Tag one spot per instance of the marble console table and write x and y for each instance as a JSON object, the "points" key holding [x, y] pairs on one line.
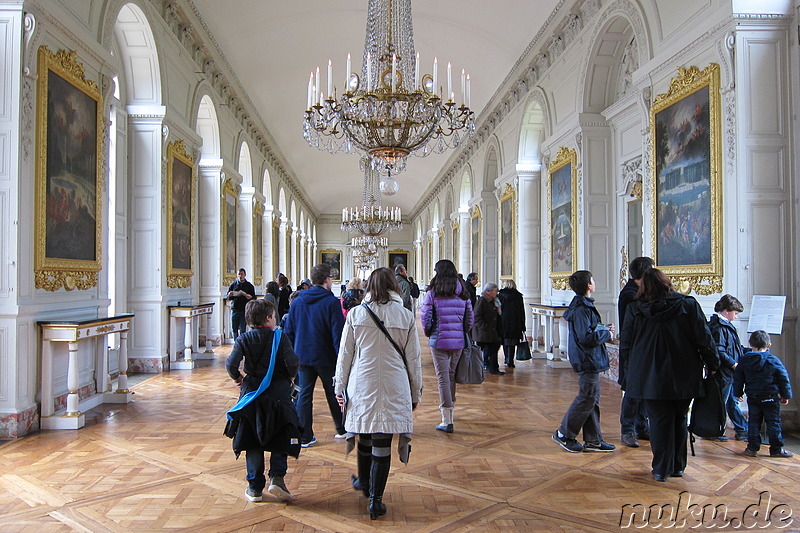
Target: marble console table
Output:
{"points": [[191, 315], [73, 333], [555, 334]]}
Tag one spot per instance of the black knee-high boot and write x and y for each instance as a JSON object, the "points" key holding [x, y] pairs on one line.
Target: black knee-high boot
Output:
{"points": [[364, 459], [377, 484]]}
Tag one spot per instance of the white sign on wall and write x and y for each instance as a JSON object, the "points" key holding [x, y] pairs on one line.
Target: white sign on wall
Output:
{"points": [[766, 313]]}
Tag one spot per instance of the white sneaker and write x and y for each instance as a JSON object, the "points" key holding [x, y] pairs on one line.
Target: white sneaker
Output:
{"points": [[312, 442], [340, 436]]}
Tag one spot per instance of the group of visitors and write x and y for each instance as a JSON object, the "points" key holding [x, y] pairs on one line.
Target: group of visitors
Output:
{"points": [[665, 346], [370, 366]]}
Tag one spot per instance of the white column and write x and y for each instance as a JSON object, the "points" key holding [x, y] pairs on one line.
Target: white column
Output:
{"points": [[304, 272], [529, 240], [122, 380], [464, 250], [245, 229], [435, 255], [294, 265], [210, 235], [146, 268]]}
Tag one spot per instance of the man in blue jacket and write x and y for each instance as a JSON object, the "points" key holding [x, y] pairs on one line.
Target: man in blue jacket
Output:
{"points": [[314, 325]]}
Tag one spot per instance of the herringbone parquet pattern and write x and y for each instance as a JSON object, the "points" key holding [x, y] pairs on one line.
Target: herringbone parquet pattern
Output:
{"points": [[161, 463]]}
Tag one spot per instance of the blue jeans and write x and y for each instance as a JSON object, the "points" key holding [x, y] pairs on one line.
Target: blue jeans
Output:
{"points": [[584, 413], [732, 407], [768, 411], [632, 418], [255, 468], [307, 377], [238, 323]]}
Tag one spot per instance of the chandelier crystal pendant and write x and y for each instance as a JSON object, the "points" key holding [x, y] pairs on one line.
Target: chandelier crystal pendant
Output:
{"points": [[371, 218], [388, 111]]}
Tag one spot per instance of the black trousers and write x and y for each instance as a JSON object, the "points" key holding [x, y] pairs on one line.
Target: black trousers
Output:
{"points": [[668, 434]]}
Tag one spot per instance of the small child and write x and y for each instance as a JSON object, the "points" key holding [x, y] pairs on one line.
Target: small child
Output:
{"points": [[764, 378]]}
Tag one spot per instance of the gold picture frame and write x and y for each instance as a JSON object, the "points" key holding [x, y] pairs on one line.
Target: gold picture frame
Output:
{"points": [[69, 174], [686, 178], [562, 204], [230, 202], [397, 257], [180, 215], [476, 242], [332, 258], [258, 244], [455, 242], [508, 233]]}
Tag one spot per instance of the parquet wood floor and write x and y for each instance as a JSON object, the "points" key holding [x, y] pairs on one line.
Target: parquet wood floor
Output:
{"points": [[162, 463]]}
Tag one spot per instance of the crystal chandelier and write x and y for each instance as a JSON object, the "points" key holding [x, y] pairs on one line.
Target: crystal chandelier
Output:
{"points": [[389, 111], [369, 242], [371, 218]]}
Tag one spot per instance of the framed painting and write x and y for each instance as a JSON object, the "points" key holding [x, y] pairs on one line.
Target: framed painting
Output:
{"points": [[397, 257], [229, 251], [455, 242], [69, 155], [685, 156], [180, 209], [276, 255], [258, 244], [332, 258], [562, 201], [476, 244], [507, 233]]}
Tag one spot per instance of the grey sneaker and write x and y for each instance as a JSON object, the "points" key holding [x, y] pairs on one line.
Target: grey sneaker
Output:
{"points": [[252, 495], [312, 442], [629, 440], [278, 489], [570, 445]]}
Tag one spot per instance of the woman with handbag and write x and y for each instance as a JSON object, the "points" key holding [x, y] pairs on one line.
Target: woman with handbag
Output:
{"points": [[378, 381], [664, 344], [512, 321], [486, 330], [446, 318]]}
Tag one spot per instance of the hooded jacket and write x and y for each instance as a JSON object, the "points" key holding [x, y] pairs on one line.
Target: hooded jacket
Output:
{"points": [[314, 324], [587, 348], [512, 321], [762, 376], [453, 319], [663, 347], [380, 387], [729, 348]]}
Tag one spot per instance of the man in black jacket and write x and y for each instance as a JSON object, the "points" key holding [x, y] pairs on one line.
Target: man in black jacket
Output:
{"points": [[472, 282], [240, 292], [632, 418]]}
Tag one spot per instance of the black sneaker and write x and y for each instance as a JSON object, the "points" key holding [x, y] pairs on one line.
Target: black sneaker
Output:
{"points": [[570, 445], [741, 436], [750, 453], [629, 440], [252, 495], [780, 453], [601, 446]]}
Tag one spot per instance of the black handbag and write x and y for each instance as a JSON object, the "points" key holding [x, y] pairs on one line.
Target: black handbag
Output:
{"points": [[708, 414], [429, 327], [523, 351]]}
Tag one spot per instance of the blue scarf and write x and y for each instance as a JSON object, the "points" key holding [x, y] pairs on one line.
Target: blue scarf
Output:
{"points": [[250, 396]]}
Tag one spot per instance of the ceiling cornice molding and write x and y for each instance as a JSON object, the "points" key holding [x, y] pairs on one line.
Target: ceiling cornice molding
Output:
{"points": [[549, 43], [214, 67]]}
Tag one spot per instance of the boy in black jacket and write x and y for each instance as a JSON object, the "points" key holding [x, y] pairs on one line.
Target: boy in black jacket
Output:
{"points": [[587, 353], [764, 378]]}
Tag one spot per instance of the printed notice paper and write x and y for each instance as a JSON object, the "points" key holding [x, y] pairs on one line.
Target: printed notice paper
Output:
{"points": [[767, 313]]}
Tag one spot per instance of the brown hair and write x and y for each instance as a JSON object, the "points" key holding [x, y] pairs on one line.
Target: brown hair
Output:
{"points": [[320, 273], [257, 311], [655, 286], [728, 303], [380, 284]]}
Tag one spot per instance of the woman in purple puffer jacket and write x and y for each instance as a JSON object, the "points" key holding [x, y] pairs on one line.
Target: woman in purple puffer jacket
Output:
{"points": [[446, 317]]}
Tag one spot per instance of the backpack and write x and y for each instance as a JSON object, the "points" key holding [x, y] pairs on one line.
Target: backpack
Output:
{"points": [[708, 412], [414, 289]]}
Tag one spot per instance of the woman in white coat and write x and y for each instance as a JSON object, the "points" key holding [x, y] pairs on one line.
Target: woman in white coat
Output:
{"points": [[381, 386]]}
